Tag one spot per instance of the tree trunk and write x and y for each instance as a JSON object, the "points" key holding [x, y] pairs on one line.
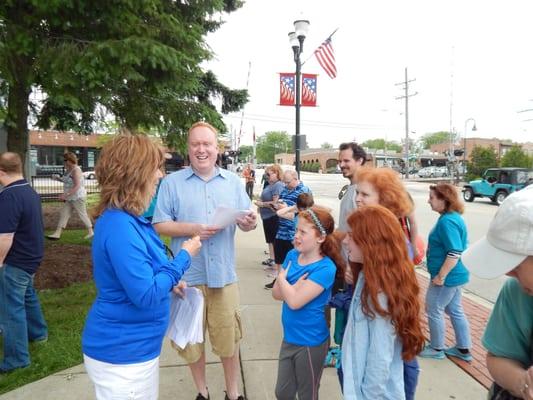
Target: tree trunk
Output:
{"points": [[17, 119]]}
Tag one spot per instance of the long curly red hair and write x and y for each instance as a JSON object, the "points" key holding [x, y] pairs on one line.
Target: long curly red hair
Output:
{"points": [[389, 270], [392, 193]]}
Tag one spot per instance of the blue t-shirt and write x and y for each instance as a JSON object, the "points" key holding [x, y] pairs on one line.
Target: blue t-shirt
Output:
{"points": [[448, 234], [133, 278], [307, 326], [21, 214], [286, 227]]}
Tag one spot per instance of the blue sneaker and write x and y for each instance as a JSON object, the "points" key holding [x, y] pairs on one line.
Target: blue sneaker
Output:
{"points": [[454, 352], [430, 352]]}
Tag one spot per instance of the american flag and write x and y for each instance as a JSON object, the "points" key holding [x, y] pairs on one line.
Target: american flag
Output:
{"points": [[286, 89], [309, 90], [326, 58]]}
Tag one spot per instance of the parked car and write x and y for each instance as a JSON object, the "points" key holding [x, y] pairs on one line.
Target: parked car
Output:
{"points": [[441, 172], [89, 174], [497, 184], [48, 170], [433, 172]]}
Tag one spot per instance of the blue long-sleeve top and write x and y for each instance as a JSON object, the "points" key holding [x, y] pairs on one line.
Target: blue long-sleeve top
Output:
{"points": [[133, 278]]}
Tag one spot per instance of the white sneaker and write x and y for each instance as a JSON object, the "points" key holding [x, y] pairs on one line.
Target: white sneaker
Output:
{"points": [[89, 235], [54, 236]]}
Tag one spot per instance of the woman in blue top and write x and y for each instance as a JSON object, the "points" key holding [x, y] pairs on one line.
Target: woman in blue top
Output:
{"points": [[123, 333], [447, 240], [304, 285]]}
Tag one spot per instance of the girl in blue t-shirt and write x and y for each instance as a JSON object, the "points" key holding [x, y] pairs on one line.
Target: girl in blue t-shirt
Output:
{"points": [[304, 285]]}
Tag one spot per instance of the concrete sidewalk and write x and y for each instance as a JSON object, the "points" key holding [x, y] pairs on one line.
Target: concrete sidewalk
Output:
{"points": [[259, 354]]}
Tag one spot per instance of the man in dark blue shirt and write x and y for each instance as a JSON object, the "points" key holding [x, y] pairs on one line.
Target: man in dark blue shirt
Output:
{"points": [[21, 252]]}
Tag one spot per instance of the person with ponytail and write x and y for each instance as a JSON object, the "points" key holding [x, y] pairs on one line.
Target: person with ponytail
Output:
{"points": [[383, 328], [304, 285]]}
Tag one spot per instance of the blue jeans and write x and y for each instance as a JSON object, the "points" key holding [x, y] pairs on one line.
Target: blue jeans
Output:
{"points": [[21, 318], [411, 371], [441, 299]]}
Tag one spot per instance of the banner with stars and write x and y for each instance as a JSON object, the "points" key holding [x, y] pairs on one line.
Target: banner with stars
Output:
{"points": [[309, 90], [286, 89]]}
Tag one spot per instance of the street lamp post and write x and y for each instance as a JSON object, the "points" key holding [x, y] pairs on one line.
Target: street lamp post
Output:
{"points": [[296, 39], [464, 141]]}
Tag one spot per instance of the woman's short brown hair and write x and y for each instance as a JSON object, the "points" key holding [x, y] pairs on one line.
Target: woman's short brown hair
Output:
{"points": [[450, 195], [275, 168], [125, 172], [69, 156]]}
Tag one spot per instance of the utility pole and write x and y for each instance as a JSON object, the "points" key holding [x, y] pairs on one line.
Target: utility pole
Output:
{"points": [[238, 144], [254, 160], [406, 97]]}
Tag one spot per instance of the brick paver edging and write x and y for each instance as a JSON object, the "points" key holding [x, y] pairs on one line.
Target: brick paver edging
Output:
{"points": [[477, 315]]}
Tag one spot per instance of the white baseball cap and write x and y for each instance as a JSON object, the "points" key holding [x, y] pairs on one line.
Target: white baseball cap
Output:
{"points": [[509, 240]]}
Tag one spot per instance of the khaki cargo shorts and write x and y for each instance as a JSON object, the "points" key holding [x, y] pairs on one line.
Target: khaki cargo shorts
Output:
{"points": [[222, 320]]}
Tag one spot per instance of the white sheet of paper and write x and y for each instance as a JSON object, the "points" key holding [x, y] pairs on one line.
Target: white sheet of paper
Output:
{"points": [[225, 216], [186, 318]]}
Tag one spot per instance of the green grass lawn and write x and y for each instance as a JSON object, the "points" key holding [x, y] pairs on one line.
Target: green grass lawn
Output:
{"points": [[72, 236], [64, 311]]}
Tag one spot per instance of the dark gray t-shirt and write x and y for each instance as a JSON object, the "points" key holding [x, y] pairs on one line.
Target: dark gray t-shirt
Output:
{"points": [[268, 194]]}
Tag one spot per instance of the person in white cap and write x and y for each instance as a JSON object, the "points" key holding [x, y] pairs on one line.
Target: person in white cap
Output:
{"points": [[508, 249]]}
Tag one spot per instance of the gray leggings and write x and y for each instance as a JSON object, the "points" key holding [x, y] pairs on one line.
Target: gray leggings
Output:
{"points": [[299, 371]]}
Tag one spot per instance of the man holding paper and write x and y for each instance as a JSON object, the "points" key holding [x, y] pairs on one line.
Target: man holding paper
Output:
{"points": [[187, 204]]}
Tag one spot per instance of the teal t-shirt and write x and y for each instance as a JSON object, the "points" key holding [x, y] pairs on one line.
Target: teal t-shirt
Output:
{"points": [[448, 234], [149, 213], [509, 332], [307, 326]]}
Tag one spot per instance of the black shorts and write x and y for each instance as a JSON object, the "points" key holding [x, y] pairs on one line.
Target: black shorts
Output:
{"points": [[270, 227], [281, 248]]}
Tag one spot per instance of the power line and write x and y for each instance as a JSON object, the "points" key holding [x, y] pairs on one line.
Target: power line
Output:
{"points": [[274, 119]]}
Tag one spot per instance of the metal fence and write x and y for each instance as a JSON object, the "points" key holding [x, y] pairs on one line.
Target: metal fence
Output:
{"points": [[50, 189]]}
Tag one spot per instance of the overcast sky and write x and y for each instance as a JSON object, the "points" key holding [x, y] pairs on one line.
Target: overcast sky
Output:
{"points": [[469, 59]]}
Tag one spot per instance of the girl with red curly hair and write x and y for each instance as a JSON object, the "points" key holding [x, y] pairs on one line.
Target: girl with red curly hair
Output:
{"points": [[383, 186], [383, 326]]}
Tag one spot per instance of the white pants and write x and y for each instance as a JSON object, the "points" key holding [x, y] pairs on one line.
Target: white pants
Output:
{"points": [[80, 207], [124, 381]]}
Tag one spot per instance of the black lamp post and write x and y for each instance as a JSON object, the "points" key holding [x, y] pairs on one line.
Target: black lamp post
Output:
{"points": [[296, 39]]}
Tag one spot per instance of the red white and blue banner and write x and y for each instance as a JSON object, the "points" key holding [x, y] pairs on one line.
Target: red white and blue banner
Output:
{"points": [[309, 90], [287, 83]]}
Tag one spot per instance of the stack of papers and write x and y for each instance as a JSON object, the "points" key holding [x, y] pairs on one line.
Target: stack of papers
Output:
{"points": [[225, 216], [186, 318]]}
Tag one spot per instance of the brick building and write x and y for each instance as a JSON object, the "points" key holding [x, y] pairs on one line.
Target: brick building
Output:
{"points": [[47, 148], [500, 146]]}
